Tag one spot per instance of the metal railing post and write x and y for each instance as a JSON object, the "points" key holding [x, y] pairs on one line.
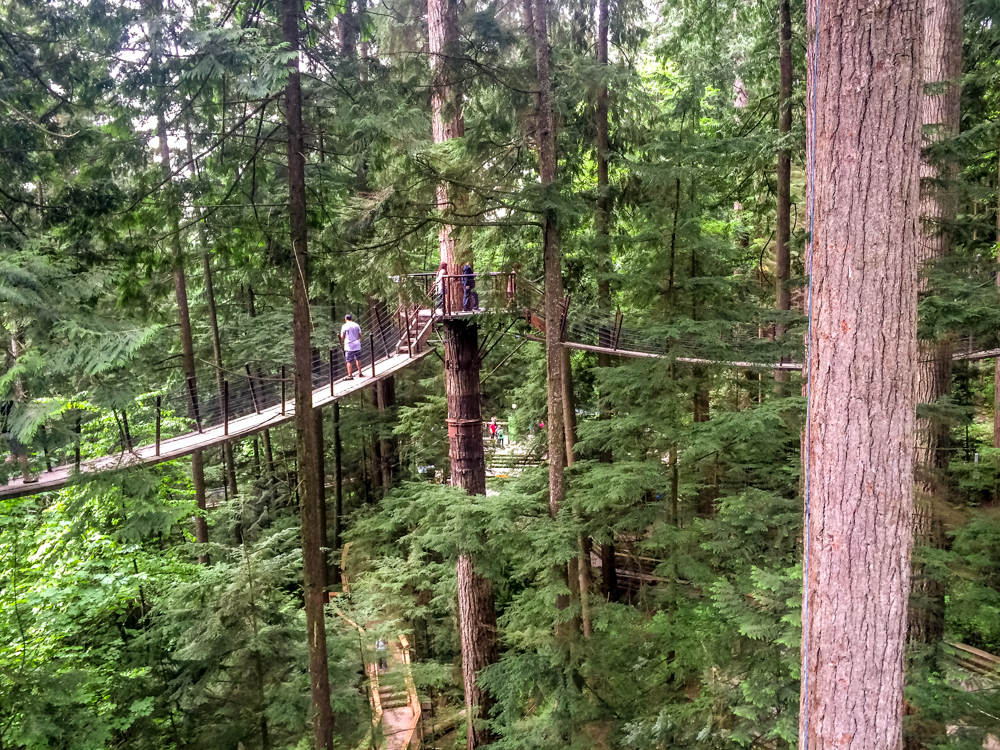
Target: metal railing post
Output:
{"points": [[282, 390], [253, 395], [409, 343], [225, 407], [128, 432], [371, 350], [158, 403], [331, 372], [76, 451]]}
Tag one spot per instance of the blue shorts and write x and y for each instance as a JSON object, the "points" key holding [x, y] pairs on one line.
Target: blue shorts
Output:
{"points": [[353, 356]]}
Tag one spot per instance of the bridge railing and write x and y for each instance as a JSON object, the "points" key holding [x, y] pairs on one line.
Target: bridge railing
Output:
{"points": [[495, 291], [204, 402]]}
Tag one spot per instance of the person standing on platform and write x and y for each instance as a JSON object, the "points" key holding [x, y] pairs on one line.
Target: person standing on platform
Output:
{"points": [[350, 339], [493, 428], [439, 284], [499, 437], [470, 297]]}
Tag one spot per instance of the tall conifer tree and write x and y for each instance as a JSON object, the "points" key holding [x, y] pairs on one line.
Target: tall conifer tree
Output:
{"points": [[476, 610], [864, 114]]}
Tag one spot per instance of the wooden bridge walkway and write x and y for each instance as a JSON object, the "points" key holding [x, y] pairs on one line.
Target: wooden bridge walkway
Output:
{"points": [[185, 444], [401, 335]]}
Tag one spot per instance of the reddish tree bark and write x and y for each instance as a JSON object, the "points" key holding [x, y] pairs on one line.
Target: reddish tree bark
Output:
{"points": [[213, 320], [477, 613], [447, 121], [996, 364], [309, 481], [183, 316], [546, 137], [783, 231], [603, 260], [942, 72], [385, 398], [866, 129]]}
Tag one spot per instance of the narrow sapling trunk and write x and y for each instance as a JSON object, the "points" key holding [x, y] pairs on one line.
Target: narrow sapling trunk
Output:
{"points": [[314, 566], [338, 492], [864, 114]]}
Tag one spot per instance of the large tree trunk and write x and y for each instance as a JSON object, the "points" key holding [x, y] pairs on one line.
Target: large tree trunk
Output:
{"points": [[546, 136], [942, 71], [602, 224], [338, 490], [569, 407], [447, 121], [314, 566], [477, 613], [385, 397], [996, 362], [865, 169], [213, 319], [184, 319], [338, 464], [783, 259], [321, 471]]}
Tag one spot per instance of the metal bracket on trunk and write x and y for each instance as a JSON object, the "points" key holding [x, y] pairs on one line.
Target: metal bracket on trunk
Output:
{"points": [[455, 426]]}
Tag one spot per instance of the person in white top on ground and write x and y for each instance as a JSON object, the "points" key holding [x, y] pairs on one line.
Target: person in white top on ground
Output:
{"points": [[350, 339]]}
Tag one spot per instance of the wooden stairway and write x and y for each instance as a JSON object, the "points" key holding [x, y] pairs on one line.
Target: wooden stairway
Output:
{"points": [[415, 331]]}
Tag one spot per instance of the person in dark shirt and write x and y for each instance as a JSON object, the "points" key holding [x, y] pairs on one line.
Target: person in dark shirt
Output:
{"points": [[17, 450], [470, 297]]}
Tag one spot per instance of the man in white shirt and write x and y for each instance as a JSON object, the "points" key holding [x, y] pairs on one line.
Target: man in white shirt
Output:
{"points": [[350, 339]]}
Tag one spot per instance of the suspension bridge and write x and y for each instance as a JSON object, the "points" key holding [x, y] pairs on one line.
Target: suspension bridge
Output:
{"points": [[237, 404]]}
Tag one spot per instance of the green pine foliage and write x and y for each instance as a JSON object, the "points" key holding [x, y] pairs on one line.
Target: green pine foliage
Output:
{"points": [[111, 634]]}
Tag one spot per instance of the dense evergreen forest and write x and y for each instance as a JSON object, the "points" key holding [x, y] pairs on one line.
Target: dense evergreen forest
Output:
{"points": [[712, 461]]}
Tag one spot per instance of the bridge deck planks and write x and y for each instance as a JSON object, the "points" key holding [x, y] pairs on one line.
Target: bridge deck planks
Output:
{"points": [[183, 445]]}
